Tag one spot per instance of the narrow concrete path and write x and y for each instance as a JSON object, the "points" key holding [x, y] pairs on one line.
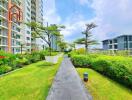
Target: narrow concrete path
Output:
{"points": [[67, 84]]}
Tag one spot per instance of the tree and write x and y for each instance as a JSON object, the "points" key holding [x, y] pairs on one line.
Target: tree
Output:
{"points": [[87, 39], [72, 46], [62, 45], [45, 32]]}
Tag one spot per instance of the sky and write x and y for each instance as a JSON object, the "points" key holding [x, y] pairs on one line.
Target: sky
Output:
{"points": [[113, 17]]}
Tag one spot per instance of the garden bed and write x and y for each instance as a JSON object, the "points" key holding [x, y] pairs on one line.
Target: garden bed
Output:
{"points": [[117, 68], [10, 62]]}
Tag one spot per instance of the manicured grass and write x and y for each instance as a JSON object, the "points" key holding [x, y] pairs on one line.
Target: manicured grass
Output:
{"points": [[103, 88], [29, 83]]}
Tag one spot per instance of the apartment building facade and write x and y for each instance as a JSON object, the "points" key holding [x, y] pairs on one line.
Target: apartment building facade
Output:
{"points": [[37, 16], [9, 42], [123, 42], [20, 34], [26, 30]]}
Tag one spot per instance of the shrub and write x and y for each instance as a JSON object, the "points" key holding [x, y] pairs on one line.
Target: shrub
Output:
{"points": [[21, 62], [81, 61], [5, 68], [117, 67], [81, 51]]}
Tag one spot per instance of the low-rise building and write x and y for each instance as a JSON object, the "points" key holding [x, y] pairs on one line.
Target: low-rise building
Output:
{"points": [[122, 42]]}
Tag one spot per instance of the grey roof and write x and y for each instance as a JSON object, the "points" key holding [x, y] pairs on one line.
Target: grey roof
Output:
{"points": [[118, 37]]}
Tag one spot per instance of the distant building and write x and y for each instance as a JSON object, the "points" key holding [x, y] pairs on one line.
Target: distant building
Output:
{"points": [[54, 44], [123, 42]]}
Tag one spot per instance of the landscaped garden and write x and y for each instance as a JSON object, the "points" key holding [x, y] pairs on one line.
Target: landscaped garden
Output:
{"points": [[117, 68], [9, 62], [103, 88], [32, 82]]}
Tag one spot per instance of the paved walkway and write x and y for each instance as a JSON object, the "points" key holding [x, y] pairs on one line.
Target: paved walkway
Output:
{"points": [[67, 84]]}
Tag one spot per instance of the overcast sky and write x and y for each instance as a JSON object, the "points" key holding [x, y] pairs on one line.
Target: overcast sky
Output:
{"points": [[113, 17]]}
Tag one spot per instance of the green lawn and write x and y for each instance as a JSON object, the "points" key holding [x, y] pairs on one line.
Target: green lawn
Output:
{"points": [[29, 83], [103, 88]]}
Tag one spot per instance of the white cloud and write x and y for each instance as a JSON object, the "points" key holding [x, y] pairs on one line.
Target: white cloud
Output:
{"points": [[75, 24], [112, 16], [50, 13], [84, 2]]}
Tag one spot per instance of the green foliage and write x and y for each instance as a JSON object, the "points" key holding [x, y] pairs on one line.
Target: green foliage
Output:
{"points": [[45, 32], [47, 64], [103, 88], [116, 67], [5, 68], [32, 82], [81, 60], [19, 60]]}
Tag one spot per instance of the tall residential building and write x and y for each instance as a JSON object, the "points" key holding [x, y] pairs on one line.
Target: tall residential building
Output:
{"points": [[9, 42], [20, 34], [37, 16], [123, 42], [26, 30]]}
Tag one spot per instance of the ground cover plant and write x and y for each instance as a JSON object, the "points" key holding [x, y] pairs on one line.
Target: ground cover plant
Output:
{"points": [[32, 82], [103, 88]]}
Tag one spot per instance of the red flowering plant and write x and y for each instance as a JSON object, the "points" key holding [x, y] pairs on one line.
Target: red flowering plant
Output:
{"points": [[2, 57]]}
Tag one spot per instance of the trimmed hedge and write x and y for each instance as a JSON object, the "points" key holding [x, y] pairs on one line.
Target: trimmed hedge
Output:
{"points": [[117, 68]]}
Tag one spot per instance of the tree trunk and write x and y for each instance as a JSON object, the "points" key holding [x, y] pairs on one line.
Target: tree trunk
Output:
{"points": [[49, 48], [86, 43], [21, 49]]}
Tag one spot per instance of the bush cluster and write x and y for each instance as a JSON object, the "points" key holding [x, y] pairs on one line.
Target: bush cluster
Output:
{"points": [[116, 67], [9, 62]]}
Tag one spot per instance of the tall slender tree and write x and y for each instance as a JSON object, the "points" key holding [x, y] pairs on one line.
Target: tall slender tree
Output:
{"points": [[87, 39]]}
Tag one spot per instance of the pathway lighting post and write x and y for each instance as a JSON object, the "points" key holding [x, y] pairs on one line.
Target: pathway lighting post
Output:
{"points": [[85, 77]]}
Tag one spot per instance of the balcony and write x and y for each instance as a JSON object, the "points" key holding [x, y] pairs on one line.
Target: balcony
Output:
{"points": [[3, 42], [3, 24], [3, 5], [3, 33], [3, 14]]}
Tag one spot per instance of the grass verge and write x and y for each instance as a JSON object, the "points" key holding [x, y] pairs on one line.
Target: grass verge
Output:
{"points": [[103, 88], [29, 83]]}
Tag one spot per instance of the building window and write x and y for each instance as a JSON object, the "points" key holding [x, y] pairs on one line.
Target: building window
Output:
{"points": [[28, 38], [115, 40], [110, 46], [28, 32], [130, 45], [125, 38], [125, 45], [115, 46], [130, 38], [110, 41]]}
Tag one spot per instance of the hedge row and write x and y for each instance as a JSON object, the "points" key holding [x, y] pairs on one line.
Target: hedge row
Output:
{"points": [[117, 68], [9, 62]]}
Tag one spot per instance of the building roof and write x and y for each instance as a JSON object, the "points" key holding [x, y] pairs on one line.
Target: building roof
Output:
{"points": [[118, 37]]}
